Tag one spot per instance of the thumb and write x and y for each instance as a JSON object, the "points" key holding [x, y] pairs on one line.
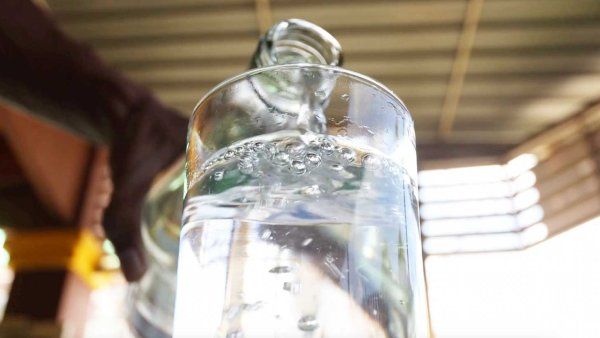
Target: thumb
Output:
{"points": [[122, 229]]}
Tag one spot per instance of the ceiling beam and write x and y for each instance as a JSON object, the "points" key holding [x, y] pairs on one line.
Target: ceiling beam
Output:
{"points": [[459, 67], [435, 154], [264, 15]]}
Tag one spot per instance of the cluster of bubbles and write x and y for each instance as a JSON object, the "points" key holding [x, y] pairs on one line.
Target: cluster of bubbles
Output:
{"points": [[307, 322], [292, 155]]}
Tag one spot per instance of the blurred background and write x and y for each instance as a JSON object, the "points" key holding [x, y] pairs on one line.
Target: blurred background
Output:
{"points": [[505, 95]]}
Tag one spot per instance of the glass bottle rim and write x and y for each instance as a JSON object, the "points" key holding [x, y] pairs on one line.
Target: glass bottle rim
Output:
{"points": [[338, 70], [311, 38]]}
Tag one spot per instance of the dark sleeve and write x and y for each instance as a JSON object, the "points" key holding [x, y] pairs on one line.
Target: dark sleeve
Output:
{"points": [[65, 82]]}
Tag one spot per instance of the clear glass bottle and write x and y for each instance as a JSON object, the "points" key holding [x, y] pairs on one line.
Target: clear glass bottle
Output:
{"points": [[152, 299], [300, 214]]}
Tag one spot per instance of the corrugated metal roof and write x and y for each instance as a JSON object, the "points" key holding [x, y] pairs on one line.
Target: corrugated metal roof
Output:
{"points": [[532, 63]]}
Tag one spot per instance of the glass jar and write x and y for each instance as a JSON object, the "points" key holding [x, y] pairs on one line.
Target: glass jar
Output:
{"points": [[300, 215]]}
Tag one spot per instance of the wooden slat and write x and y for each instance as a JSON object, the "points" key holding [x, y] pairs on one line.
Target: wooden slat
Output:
{"points": [[79, 7], [355, 12], [581, 86], [186, 49], [566, 178], [576, 59], [545, 143], [486, 67], [401, 67], [520, 10], [576, 214], [174, 88], [568, 196], [528, 110], [360, 43], [561, 159], [330, 14], [536, 36], [183, 73], [176, 51], [500, 124], [366, 14], [437, 155], [487, 64], [181, 24], [510, 137]]}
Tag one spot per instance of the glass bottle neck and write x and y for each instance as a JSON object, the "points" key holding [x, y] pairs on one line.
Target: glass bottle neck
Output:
{"points": [[297, 41]]}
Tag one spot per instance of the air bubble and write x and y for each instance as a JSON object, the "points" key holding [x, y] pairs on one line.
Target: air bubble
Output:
{"points": [[249, 158], [314, 144], [269, 150], [258, 146], [314, 160], [292, 287], [336, 167], [371, 162], [298, 167], [308, 323], [246, 167], [239, 150], [295, 149], [348, 155], [345, 97], [228, 154], [342, 132], [281, 269], [218, 175], [312, 190], [281, 158], [327, 147], [266, 234]]}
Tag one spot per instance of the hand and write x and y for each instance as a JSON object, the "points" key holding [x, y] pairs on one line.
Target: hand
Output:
{"points": [[150, 140]]}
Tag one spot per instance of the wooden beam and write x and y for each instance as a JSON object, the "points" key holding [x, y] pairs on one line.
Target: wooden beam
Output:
{"points": [[264, 15], [431, 153], [539, 144], [460, 66]]}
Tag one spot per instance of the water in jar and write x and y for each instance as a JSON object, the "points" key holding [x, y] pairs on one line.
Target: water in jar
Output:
{"points": [[298, 234]]}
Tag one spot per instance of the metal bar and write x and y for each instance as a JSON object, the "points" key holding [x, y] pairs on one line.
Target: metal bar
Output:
{"points": [[459, 68]]}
